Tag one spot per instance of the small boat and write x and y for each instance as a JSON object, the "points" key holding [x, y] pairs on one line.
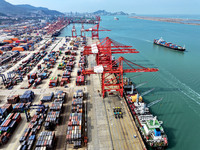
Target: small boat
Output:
{"points": [[115, 18], [161, 42]]}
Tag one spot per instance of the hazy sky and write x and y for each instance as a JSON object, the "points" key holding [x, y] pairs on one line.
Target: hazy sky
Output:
{"points": [[135, 6]]}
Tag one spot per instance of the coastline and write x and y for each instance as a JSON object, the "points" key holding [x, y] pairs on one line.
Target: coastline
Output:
{"points": [[171, 20]]}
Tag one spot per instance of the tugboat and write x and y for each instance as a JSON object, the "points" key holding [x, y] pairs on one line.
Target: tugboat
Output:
{"points": [[161, 42]]}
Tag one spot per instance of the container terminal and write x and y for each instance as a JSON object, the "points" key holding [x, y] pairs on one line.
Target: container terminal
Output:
{"points": [[68, 92]]}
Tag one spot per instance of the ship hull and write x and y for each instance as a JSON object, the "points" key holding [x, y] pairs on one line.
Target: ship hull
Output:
{"points": [[174, 48], [139, 126], [57, 33], [144, 138], [170, 47]]}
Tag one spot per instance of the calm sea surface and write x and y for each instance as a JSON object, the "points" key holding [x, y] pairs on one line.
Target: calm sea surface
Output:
{"points": [[178, 79]]}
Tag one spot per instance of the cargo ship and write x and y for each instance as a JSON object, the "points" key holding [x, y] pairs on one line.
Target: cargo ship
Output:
{"points": [[115, 18], [161, 42], [148, 125], [57, 33]]}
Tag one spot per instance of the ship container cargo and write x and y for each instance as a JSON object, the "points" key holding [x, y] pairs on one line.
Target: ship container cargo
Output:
{"points": [[24, 46], [34, 126], [28, 64], [6, 48], [77, 144], [80, 80], [43, 75], [61, 48], [60, 95], [2, 43], [5, 110], [28, 96], [77, 108], [72, 58], [53, 81], [46, 59], [56, 106], [48, 98], [19, 107], [39, 66], [74, 130], [75, 119], [69, 68], [52, 119], [64, 81], [46, 139], [8, 126], [50, 125], [73, 53], [79, 72], [161, 42], [8, 41], [18, 48], [67, 74], [68, 52], [30, 142], [38, 81], [4, 137], [71, 64], [61, 66], [30, 82], [32, 76], [53, 116], [78, 94], [9, 56], [73, 135], [77, 101]]}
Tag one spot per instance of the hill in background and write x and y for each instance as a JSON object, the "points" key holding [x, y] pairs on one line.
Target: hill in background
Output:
{"points": [[103, 12], [25, 10]]}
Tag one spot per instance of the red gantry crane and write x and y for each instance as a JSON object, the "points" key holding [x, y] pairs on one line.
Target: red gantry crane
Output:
{"points": [[112, 70], [105, 49], [95, 29], [74, 35], [82, 31]]}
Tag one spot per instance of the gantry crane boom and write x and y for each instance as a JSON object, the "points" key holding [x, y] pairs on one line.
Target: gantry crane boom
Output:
{"points": [[95, 29], [116, 81], [112, 70]]}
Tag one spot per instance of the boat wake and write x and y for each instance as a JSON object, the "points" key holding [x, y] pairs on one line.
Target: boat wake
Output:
{"points": [[148, 41], [168, 78]]}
